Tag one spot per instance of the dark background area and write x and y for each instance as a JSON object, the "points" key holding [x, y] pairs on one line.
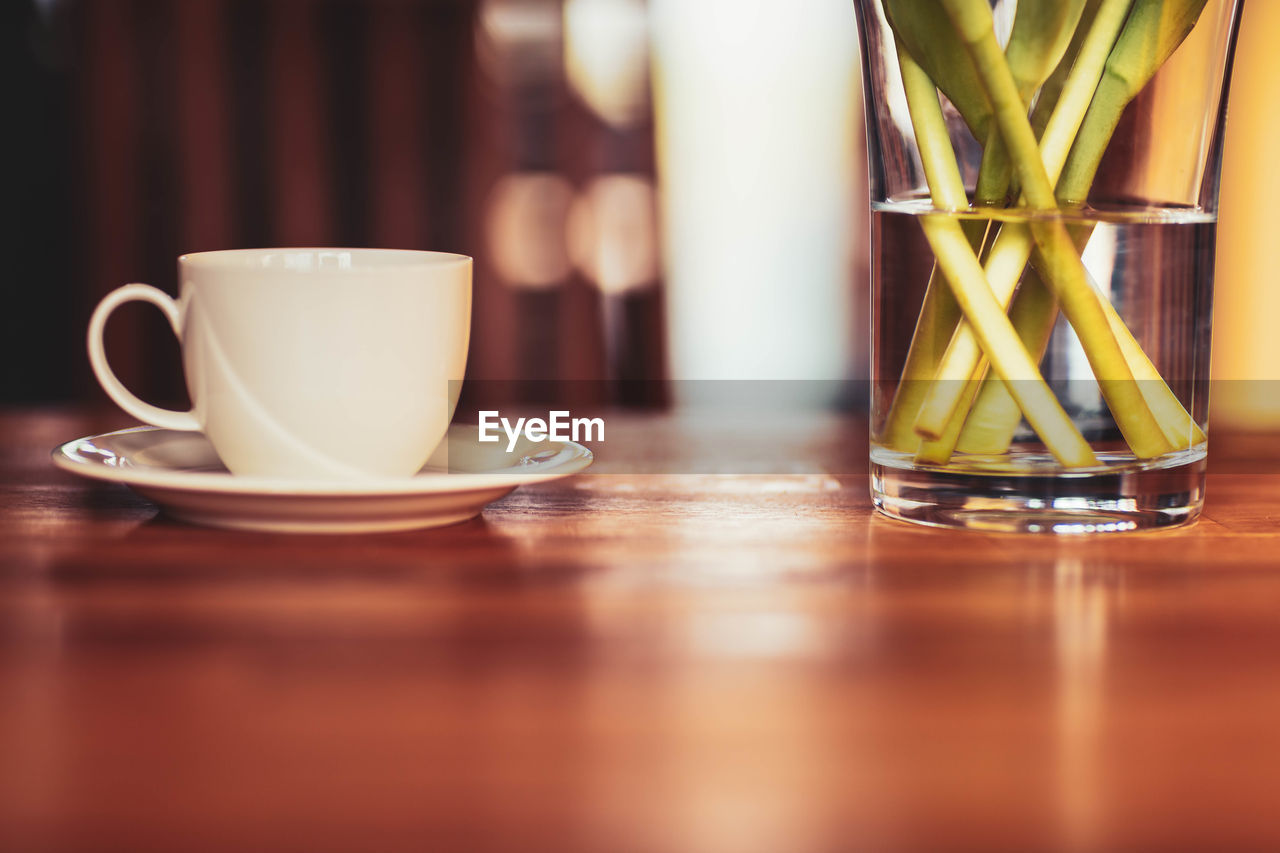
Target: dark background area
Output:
{"points": [[138, 130]]}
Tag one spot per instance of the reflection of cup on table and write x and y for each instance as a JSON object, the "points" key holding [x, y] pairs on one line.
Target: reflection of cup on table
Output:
{"points": [[311, 363]]}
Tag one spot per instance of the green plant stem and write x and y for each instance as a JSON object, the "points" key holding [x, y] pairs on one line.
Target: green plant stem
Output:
{"points": [[931, 40], [984, 427], [1008, 357], [1051, 90], [994, 417], [990, 425], [987, 429], [1033, 313], [1067, 277], [1042, 32], [1012, 249], [937, 451], [938, 318], [964, 274], [939, 314], [1152, 32]]}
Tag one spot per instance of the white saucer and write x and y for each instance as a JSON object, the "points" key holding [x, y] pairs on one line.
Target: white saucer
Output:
{"points": [[181, 473]]}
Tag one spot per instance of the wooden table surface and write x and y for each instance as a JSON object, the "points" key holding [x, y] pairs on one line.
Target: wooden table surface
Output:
{"points": [[618, 662]]}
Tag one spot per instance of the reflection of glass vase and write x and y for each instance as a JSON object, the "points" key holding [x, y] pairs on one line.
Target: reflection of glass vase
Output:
{"points": [[1048, 370]]}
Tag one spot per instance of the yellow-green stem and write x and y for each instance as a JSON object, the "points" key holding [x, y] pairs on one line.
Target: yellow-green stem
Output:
{"points": [[930, 39], [963, 272], [999, 339], [994, 418], [939, 313], [1043, 31], [938, 317], [937, 451], [1012, 249], [1051, 91], [1066, 274], [1152, 32]]}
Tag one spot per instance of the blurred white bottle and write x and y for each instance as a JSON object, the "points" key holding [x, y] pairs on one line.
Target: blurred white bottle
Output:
{"points": [[762, 189]]}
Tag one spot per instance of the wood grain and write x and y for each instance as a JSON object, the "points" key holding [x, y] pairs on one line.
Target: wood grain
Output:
{"points": [[637, 662]]}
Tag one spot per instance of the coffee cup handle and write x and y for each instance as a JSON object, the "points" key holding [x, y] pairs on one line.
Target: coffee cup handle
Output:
{"points": [[123, 397]]}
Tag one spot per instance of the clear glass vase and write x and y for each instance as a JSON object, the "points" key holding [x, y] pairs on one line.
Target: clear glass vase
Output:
{"points": [[1040, 336]]}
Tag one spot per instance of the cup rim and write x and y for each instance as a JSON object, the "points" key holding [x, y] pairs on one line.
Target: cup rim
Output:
{"points": [[391, 258]]}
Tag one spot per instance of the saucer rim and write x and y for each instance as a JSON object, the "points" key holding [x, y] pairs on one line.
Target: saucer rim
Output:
{"points": [[64, 457]]}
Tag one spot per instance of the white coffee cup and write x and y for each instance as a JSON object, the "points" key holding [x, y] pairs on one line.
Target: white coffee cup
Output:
{"points": [[333, 364]]}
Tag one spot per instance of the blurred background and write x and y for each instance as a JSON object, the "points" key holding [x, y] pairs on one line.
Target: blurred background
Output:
{"points": [[670, 189]]}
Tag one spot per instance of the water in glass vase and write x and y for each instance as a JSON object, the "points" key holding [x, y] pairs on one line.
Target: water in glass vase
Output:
{"points": [[955, 452]]}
